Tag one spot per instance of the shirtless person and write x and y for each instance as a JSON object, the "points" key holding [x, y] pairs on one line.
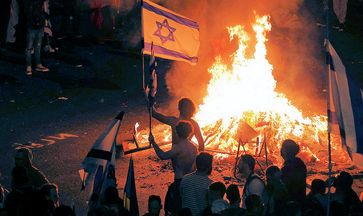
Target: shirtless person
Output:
{"points": [[182, 155], [186, 111]]}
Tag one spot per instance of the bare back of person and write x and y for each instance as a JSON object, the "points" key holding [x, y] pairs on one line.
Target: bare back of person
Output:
{"points": [[184, 160]]}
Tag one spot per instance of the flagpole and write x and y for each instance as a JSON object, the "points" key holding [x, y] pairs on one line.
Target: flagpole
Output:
{"points": [[142, 49], [328, 110]]}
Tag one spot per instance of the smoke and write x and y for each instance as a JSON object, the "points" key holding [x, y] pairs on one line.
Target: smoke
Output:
{"points": [[293, 46]]}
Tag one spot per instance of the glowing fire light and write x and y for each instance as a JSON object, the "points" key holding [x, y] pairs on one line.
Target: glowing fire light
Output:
{"points": [[245, 91]]}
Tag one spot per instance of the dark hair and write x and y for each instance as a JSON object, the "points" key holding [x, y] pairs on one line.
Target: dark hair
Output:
{"points": [[291, 147], [253, 201], [204, 162], [233, 193], [344, 180], [218, 187], [64, 210], [184, 129], [249, 160], [272, 170], [45, 189], [153, 198], [318, 186], [186, 107], [19, 176]]}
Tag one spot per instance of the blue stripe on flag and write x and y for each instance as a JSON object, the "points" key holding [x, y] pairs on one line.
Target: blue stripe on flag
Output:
{"points": [[162, 50], [174, 17], [357, 107]]}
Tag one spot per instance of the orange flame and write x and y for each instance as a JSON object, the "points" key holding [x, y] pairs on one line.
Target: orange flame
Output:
{"points": [[246, 91]]}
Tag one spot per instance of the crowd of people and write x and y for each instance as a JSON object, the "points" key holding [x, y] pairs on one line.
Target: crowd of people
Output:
{"points": [[193, 193]]}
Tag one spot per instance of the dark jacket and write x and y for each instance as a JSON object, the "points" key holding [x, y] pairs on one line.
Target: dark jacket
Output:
{"points": [[34, 13], [294, 178]]}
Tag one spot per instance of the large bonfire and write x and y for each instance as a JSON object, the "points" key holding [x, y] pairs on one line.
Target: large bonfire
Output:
{"points": [[246, 92]]}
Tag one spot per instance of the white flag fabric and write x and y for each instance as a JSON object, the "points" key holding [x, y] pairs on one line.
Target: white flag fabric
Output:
{"points": [[173, 36], [346, 106], [101, 156], [340, 9]]}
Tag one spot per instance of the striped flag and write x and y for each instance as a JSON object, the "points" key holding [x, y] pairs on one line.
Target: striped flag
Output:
{"points": [[345, 106], [130, 198], [173, 36], [99, 164], [152, 85]]}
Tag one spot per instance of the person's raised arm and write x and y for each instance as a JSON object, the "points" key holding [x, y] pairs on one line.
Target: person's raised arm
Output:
{"points": [[163, 155], [198, 136], [169, 120]]}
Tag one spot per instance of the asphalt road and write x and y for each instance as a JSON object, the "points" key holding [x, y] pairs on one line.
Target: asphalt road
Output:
{"points": [[61, 114]]}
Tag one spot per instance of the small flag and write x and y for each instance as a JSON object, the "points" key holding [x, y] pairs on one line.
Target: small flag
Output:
{"points": [[130, 198], [99, 164], [173, 36], [345, 106]]}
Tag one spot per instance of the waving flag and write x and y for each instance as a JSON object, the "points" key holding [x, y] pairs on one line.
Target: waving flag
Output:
{"points": [[346, 106], [173, 36], [99, 164], [130, 198]]}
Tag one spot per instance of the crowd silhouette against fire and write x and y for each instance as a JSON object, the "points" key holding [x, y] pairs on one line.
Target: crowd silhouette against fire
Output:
{"points": [[193, 193]]}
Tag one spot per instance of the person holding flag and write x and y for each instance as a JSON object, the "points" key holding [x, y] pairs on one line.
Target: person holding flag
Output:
{"points": [[182, 156]]}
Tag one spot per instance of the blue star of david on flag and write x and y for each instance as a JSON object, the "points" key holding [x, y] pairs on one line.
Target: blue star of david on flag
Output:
{"points": [[163, 38]]}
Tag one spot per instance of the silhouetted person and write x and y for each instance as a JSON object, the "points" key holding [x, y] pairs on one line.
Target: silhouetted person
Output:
{"points": [[154, 206], [254, 205], [35, 21], [276, 191], [344, 193], [234, 199], [215, 197], [4, 20], [254, 184], [112, 200], [186, 111], [194, 186], [182, 156], [64, 210], [51, 197], [317, 200], [293, 172], [23, 158]]}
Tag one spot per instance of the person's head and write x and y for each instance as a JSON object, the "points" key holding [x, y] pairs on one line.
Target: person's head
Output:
{"points": [[23, 157], [154, 205], [184, 129], [50, 192], [289, 149], [273, 173], [204, 163], [63, 210], [186, 108], [246, 165], [233, 194], [19, 177], [216, 191], [318, 186], [344, 181], [254, 204]]}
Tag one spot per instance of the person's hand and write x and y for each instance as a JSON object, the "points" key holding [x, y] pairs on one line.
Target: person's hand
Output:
{"points": [[151, 139]]}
